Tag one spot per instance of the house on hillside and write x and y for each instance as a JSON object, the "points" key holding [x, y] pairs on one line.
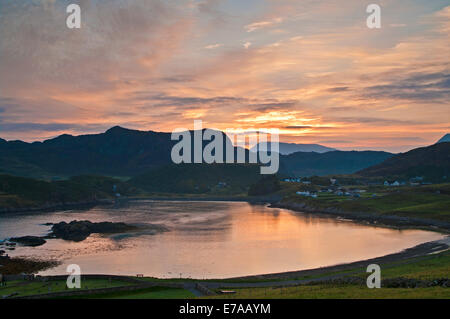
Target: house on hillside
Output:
{"points": [[222, 185], [395, 183], [307, 194], [292, 180]]}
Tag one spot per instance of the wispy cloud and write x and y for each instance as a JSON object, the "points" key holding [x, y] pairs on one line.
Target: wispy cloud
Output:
{"points": [[262, 24], [310, 68], [214, 46]]}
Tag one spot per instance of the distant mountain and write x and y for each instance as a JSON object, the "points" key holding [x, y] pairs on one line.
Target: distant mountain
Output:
{"points": [[432, 162], [336, 162], [289, 148], [125, 152], [118, 151], [445, 138]]}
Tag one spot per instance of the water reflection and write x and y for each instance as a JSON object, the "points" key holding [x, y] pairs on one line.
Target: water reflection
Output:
{"points": [[209, 240]]}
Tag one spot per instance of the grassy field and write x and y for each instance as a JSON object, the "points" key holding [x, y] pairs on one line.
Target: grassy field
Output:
{"points": [[338, 292], [428, 202], [147, 293], [24, 288], [430, 267], [423, 268]]}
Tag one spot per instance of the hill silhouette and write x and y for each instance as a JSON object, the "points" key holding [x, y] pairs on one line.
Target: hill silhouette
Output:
{"points": [[432, 162], [121, 152]]}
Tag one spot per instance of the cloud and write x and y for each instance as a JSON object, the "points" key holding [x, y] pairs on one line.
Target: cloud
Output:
{"points": [[262, 24], [48, 127], [427, 87], [339, 89], [139, 62], [299, 127], [212, 9], [374, 120], [113, 42], [335, 142], [214, 46]]}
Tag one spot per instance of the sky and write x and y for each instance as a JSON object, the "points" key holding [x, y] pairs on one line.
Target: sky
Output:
{"points": [[311, 68]]}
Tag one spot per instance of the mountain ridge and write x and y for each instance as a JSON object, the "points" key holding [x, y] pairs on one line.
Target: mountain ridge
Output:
{"points": [[329, 163], [431, 162], [445, 138], [290, 148], [123, 152]]}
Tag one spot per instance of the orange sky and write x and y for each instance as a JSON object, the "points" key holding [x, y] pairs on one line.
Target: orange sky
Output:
{"points": [[310, 68]]}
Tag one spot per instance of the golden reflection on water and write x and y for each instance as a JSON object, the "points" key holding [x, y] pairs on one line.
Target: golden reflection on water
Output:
{"points": [[219, 240]]}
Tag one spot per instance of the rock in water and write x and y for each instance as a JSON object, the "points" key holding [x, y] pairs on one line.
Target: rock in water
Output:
{"points": [[80, 230], [31, 241]]}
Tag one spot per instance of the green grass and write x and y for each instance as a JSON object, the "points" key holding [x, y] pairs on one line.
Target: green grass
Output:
{"points": [[424, 268], [146, 293], [24, 288], [420, 202], [338, 292]]}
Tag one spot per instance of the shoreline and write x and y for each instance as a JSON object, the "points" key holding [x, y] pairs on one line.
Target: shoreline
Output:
{"points": [[421, 250], [56, 207], [404, 256], [243, 199], [386, 221]]}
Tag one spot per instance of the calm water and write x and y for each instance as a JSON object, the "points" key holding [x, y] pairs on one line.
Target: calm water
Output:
{"points": [[209, 240]]}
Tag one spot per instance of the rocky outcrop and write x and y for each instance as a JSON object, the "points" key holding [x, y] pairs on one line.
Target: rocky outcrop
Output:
{"points": [[80, 230], [31, 241]]}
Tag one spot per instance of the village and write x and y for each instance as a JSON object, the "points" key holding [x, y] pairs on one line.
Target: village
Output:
{"points": [[359, 189]]}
